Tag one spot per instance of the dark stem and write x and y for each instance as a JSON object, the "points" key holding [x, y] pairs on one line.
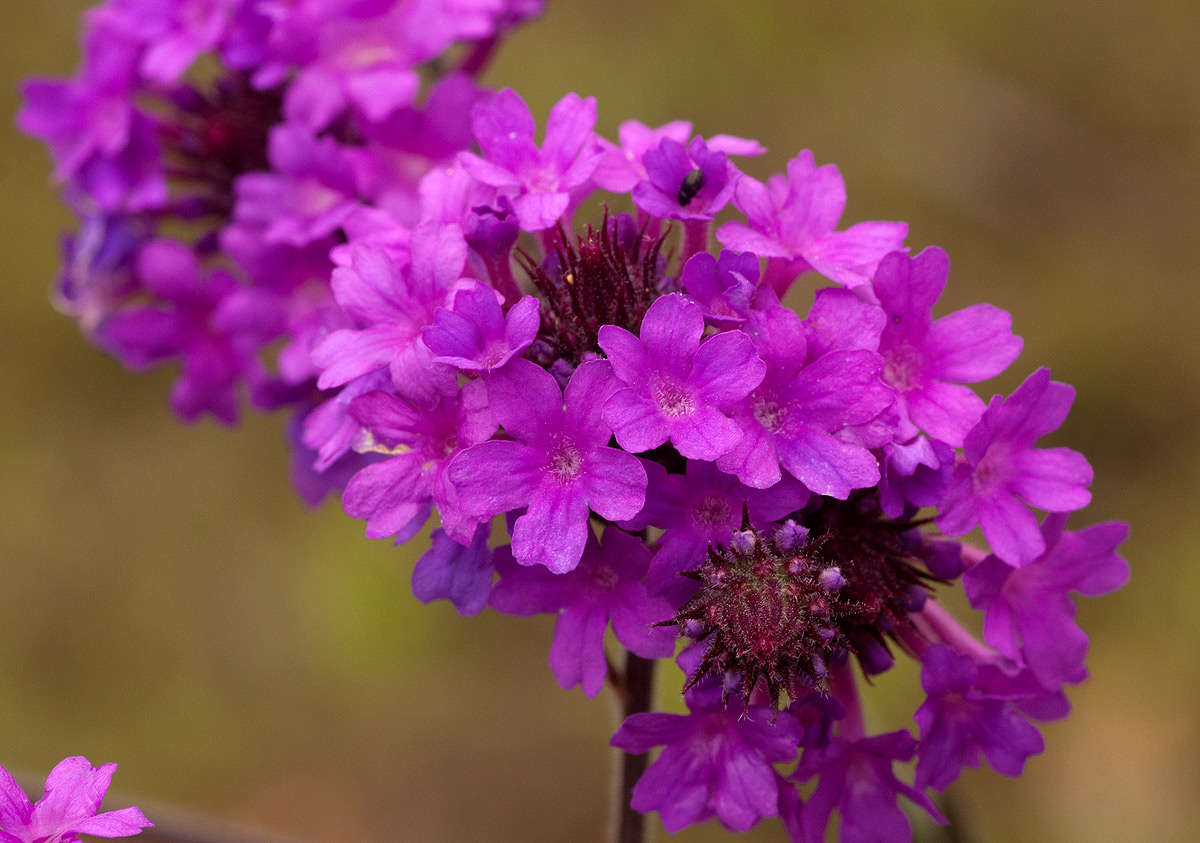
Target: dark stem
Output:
{"points": [[955, 830], [638, 690], [477, 59]]}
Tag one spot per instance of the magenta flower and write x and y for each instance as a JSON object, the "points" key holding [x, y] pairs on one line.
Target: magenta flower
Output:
{"points": [[717, 762], [558, 467], [605, 588], [623, 164], [793, 219], [960, 719], [677, 388], [1028, 612], [694, 510], [174, 32], [393, 303], [203, 318], [313, 482], [393, 495], [540, 180], [311, 191], [856, 779], [329, 429], [685, 183], [476, 335], [790, 420], [840, 321], [723, 286], [92, 115], [621, 167], [365, 61], [74, 791], [101, 145], [698, 509], [914, 472], [1002, 469], [926, 360]]}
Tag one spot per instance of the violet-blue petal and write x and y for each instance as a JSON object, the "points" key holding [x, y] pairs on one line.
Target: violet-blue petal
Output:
{"points": [[459, 573], [577, 653]]}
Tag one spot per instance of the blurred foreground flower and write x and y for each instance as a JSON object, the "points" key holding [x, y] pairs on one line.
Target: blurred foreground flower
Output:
{"points": [[74, 791]]}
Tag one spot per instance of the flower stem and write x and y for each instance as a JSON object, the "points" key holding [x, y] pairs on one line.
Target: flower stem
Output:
{"points": [[955, 830], [639, 691], [695, 239], [478, 58]]}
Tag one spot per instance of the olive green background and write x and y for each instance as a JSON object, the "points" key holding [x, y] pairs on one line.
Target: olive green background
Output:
{"points": [[167, 602]]}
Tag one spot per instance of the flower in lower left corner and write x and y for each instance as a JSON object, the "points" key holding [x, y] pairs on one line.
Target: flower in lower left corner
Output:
{"points": [[74, 790]]}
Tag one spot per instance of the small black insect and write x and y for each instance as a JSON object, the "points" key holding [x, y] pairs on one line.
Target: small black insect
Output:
{"points": [[692, 184]]}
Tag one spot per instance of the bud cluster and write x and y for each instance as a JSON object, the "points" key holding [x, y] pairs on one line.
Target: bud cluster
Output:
{"points": [[782, 605]]}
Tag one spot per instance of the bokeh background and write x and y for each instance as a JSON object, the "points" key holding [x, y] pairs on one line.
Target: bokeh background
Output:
{"points": [[167, 602]]}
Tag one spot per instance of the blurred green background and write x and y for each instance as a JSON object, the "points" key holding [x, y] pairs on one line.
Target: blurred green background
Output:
{"points": [[168, 603]]}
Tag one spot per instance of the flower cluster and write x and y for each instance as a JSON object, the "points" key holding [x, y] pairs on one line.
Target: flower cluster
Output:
{"points": [[617, 421], [74, 791], [216, 154]]}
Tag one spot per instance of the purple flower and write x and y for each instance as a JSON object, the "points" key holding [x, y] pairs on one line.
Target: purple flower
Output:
{"points": [[915, 472], [791, 418], [491, 232], [393, 495], [329, 429], [700, 508], [677, 387], [309, 194], [606, 587], [856, 779], [793, 219], [108, 150], [437, 129], [366, 61], [1002, 468], [839, 321], [90, 116], [313, 480], [558, 467], [450, 195], [74, 791], [174, 32], [1028, 613], [98, 268], [816, 715], [459, 573], [539, 179], [926, 360], [621, 167], [393, 303], [723, 286], [205, 319], [959, 720], [476, 335], [685, 183], [623, 164], [695, 510], [717, 761]]}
